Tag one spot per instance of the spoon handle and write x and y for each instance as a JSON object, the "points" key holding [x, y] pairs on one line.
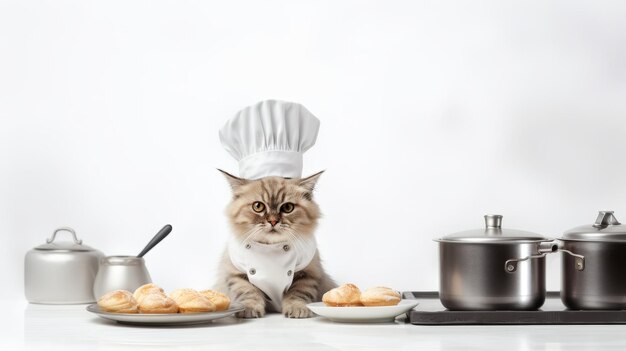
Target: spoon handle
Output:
{"points": [[157, 238]]}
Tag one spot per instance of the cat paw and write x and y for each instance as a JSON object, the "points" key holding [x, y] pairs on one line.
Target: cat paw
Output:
{"points": [[296, 310], [256, 311]]}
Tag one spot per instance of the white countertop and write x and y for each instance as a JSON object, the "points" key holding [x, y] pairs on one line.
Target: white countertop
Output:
{"points": [[44, 327]]}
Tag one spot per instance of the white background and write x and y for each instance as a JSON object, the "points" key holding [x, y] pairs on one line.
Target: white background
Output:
{"points": [[433, 113]]}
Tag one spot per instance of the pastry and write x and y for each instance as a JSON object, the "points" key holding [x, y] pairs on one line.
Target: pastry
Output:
{"points": [[190, 301], [380, 296], [343, 296], [176, 294], [157, 303], [221, 301], [118, 301], [146, 290]]}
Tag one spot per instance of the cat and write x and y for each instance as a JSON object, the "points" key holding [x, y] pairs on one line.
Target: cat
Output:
{"points": [[273, 210]]}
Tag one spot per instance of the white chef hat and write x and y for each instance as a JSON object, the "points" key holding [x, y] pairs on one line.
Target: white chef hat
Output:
{"points": [[269, 138]]}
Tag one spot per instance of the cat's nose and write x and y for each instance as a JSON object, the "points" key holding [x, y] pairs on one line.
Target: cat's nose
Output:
{"points": [[272, 221]]}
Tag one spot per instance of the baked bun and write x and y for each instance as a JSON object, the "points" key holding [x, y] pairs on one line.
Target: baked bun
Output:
{"points": [[157, 303], [380, 296], [343, 296], [221, 301], [146, 290], [190, 301], [118, 301], [176, 294]]}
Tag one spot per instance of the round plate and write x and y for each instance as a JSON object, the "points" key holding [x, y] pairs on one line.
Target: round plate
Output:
{"points": [[164, 318], [379, 314]]}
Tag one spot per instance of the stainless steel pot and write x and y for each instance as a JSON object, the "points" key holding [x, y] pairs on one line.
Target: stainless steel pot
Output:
{"points": [[61, 272], [493, 268], [599, 280]]}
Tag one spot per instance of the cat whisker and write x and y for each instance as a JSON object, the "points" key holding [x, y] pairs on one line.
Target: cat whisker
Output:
{"points": [[256, 229], [296, 241]]}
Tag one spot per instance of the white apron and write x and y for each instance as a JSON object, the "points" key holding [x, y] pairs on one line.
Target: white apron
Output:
{"points": [[271, 267]]}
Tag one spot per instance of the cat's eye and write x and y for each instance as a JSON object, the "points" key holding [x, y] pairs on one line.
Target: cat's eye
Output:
{"points": [[258, 206], [287, 207]]}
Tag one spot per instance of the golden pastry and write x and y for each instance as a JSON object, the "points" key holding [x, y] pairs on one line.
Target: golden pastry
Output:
{"points": [[221, 301], [176, 294], [157, 303], [343, 296], [380, 296], [118, 301], [190, 301], [146, 290]]}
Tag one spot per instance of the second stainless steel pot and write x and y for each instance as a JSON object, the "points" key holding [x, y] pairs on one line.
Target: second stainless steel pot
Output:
{"points": [[493, 268], [599, 280]]}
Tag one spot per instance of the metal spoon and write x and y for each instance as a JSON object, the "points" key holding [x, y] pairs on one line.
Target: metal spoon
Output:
{"points": [[157, 238]]}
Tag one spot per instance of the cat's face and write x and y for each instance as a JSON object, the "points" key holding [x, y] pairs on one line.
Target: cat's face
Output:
{"points": [[272, 209]]}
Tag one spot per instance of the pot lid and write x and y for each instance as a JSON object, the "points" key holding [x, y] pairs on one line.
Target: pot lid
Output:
{"points": [[492, 233], [605, 228], [75, 245]]}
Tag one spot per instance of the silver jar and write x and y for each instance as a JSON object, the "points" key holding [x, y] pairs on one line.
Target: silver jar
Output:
{"points": [[120, 273], [599, 280], [493, 268], [61, 272]]}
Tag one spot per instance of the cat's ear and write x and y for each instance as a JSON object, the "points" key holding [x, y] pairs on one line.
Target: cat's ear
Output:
{"points": [[235, 182], [310, 181]]}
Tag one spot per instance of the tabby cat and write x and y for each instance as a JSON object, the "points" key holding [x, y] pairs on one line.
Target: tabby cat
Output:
{"points": [[274, 210]]}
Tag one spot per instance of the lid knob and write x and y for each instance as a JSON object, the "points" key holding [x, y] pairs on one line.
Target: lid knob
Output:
{"points": [[605, 218], [493, 221]]}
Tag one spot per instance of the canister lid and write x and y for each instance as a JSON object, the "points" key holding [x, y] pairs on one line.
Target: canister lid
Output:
{"points": [[605, 228], [75, 245], [492, 233]]}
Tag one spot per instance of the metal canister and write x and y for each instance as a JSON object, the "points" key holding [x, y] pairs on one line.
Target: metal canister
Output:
{"points": [[120, 273]]}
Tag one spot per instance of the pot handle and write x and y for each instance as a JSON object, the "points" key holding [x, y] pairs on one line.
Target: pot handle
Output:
{"points": [[545, 247], [579, 260], [510, 266], [67, 229]]}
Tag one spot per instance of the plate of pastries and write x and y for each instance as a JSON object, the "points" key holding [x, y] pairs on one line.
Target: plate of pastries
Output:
{"points": [[347, 303], [149, 304]]}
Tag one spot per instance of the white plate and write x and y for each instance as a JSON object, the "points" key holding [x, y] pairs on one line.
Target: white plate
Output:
{"points": [[164, 318], [362, 314]]}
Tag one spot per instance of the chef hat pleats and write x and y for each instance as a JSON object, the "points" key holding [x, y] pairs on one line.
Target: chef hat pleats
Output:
{"points": [[269, 138]]}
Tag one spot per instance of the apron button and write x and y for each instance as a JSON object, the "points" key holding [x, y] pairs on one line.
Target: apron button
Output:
{"points": [[252, 271], [289, 273], [248, 246], [286, 247]]}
